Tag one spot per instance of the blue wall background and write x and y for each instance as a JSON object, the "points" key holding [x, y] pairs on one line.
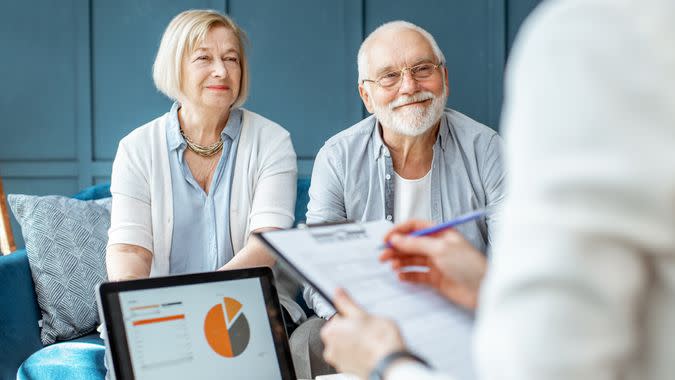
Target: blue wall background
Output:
{"points": [[76, 74]]}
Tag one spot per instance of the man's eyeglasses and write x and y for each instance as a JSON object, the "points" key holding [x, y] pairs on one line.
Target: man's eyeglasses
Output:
{"points": [[394, 78]]}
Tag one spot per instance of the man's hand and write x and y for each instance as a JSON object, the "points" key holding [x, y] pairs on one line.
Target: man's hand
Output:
{"points": [[355, 340], [453, 266]]}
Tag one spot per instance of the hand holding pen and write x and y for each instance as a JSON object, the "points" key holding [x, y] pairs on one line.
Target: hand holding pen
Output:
{"points": [[431, 229], [440, 258]]}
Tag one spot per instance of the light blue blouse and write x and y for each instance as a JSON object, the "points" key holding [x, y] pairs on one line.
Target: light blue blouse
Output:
{"points": [[201, 229]]}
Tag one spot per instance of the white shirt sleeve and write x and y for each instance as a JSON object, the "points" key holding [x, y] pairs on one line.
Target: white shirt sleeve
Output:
{"points": [[590, 142], [130, 215], [273, 202], [411, 370]]}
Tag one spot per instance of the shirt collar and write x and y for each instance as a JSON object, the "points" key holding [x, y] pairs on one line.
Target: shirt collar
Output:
{"points": [[176, 140], [233, 126], [444, 131], [381, 149]]}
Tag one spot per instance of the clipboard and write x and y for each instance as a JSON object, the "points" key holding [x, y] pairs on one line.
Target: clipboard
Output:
{"points": [[290, 267], [348, 258]]}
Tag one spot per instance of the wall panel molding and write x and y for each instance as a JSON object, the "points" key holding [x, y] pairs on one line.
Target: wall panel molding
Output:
{"points": [[38, 169], [84, 94], [79, 73], [496, 58], [37, 72]]}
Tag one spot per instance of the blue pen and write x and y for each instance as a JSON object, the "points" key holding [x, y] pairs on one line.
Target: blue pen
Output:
{"points": [[444, 226]]}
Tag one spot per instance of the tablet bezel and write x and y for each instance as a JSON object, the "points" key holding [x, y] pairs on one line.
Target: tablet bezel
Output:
{"points": [[116, 342]]}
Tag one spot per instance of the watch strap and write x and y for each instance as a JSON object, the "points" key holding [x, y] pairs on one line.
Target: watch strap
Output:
{"points": [[378, 372]]}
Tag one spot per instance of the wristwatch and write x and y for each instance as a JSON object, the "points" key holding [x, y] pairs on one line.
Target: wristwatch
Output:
{"points": [[378, 372]]}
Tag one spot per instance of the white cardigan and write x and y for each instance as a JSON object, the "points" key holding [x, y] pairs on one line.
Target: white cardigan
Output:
{"points": [[263, 188]]}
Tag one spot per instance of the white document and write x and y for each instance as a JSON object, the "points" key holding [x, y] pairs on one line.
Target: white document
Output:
{"points": [[346, 256]]}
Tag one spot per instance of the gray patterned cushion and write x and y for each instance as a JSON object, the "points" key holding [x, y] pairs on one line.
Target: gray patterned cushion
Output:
{"points": [[65, 242]]}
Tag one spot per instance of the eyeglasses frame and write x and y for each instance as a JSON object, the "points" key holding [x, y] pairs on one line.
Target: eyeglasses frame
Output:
{"points": [[402, 73]]}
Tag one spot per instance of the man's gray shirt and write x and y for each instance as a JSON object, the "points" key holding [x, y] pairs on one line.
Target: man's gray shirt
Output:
{"points": [[353, 179]]}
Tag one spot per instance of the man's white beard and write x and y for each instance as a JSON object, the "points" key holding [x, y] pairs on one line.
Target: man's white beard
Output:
{"points": [[412, 120]]}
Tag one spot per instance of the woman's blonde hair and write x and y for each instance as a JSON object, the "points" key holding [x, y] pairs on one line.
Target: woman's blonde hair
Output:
{"points": [[181, 37]]}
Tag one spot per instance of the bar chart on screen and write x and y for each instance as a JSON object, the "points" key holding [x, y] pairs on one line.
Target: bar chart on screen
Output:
{"points": [[155, 327]]}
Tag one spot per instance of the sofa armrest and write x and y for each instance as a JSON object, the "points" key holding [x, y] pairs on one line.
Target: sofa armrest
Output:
{"points": [[19, 313]]}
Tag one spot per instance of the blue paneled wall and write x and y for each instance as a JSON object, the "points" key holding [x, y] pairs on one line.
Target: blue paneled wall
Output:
{"points": [[76, 74]]}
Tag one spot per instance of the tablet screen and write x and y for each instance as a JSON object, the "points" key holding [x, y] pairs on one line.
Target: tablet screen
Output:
{"points": [[212, 330]]}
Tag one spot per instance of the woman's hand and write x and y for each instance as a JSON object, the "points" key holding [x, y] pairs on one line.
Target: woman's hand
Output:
{"points": [[254, 254], [451, 264], [355, 340]]}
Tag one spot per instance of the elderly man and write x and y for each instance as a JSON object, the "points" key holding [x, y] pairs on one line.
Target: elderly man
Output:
{"points": [[411, 159], [582, 285]]}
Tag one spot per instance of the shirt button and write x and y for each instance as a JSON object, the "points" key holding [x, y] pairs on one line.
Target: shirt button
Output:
{"points": [[389, 217], [388, 176]]}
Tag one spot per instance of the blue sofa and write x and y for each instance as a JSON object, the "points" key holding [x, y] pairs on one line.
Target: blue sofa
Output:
{"points": [[22, 355]]}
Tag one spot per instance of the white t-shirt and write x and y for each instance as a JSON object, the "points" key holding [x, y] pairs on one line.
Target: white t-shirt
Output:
{"points": [[412, 198]]}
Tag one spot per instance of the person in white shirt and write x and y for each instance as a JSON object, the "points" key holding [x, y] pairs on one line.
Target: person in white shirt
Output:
{"points": [[581, 284]]}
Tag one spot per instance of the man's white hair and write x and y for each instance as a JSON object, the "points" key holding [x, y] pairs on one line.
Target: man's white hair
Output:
{"points": [[362, 58]]}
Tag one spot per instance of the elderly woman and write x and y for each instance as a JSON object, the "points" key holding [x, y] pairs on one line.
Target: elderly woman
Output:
{"points": [[189, 187]]}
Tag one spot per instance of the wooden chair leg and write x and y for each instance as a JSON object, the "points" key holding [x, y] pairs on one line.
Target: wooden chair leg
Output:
{"points": [[6, 237]]}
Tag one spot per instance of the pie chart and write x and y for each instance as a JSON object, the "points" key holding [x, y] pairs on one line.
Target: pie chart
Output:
{"points": [[226, 328]]}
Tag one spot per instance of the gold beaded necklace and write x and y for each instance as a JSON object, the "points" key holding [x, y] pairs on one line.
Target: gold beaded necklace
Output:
{"points": [[203, 150]]}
